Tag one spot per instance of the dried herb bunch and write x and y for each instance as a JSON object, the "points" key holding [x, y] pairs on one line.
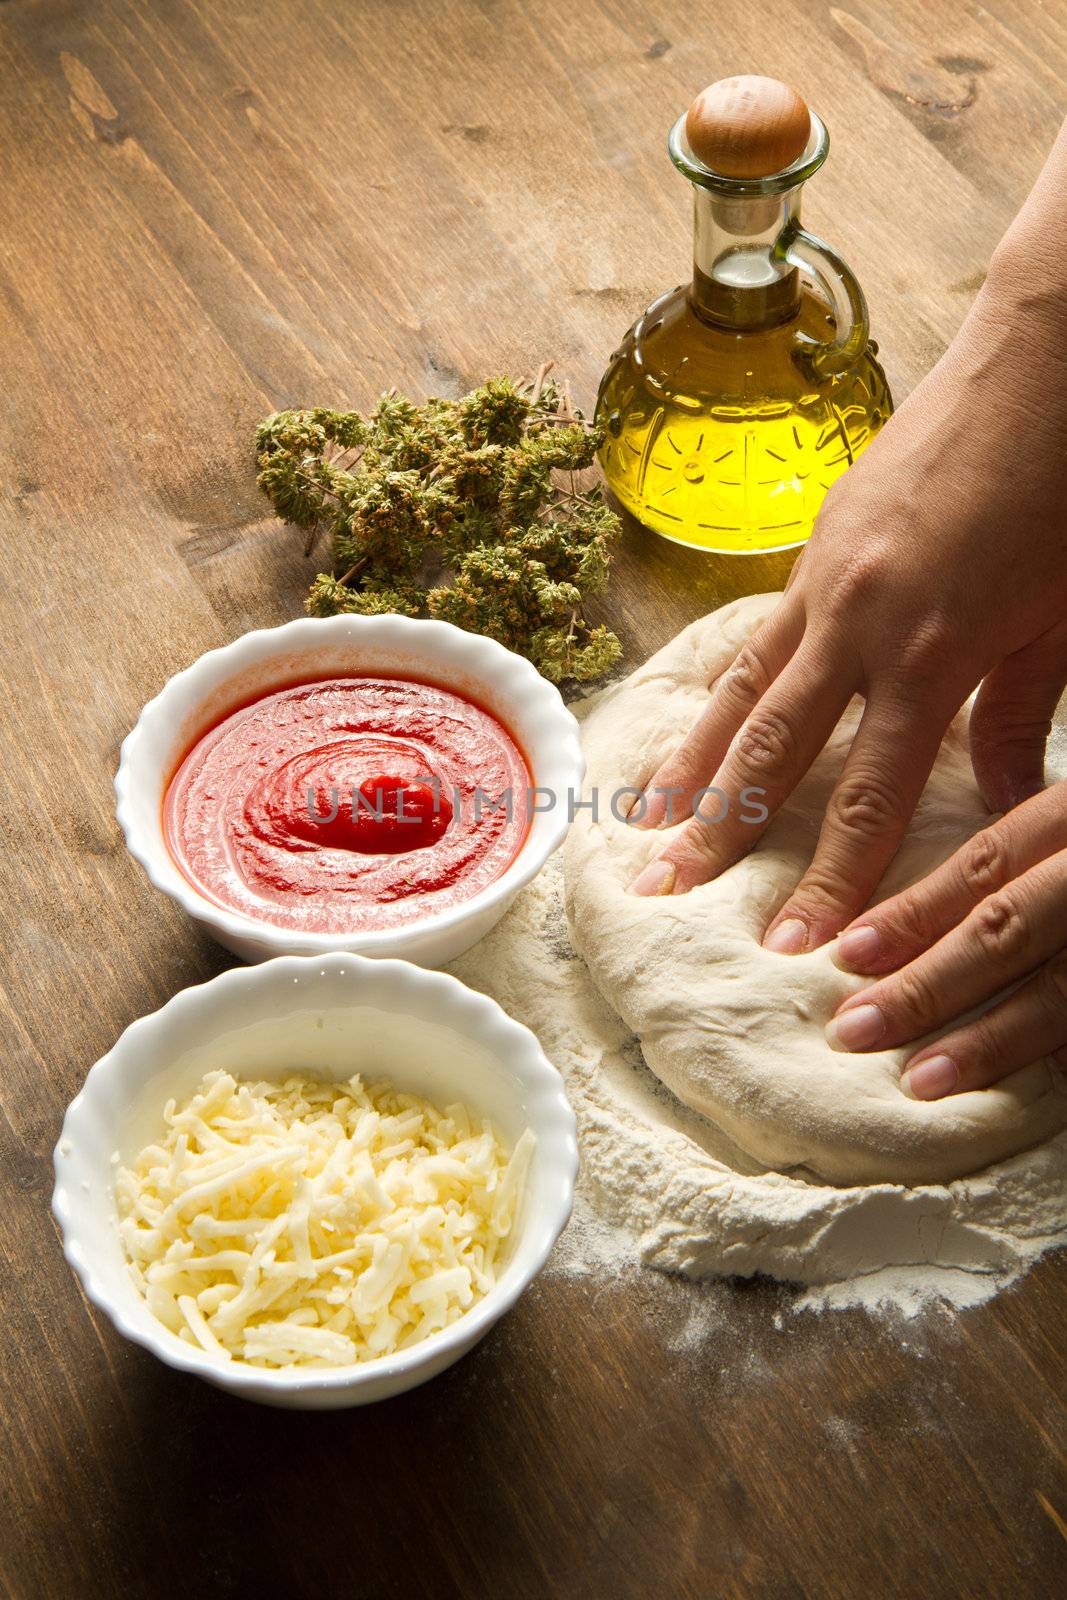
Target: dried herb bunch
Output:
{"points": [[476, 511]]}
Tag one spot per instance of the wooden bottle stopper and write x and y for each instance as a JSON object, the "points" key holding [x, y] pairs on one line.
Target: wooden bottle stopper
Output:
{"points": [[748, 127]]}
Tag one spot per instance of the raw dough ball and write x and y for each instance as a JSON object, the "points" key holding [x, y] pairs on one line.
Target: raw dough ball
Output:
{"points": [[734, 1030]]}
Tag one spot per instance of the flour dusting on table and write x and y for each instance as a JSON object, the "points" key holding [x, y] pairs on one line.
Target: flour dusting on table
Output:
{"points": [[660, 1186]]}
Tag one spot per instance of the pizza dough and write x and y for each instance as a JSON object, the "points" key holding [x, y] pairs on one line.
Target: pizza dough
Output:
{"points": [[735, 1031]]}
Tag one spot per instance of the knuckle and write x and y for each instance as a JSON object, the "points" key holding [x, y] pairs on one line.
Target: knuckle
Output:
{"points": [[766, 742], [867, 806], [910, 1000], [1011, 721], [982, 1048], [697, 843], [922, 655], [983, 864], [747, 678], [682, 771], [1051, 987], [911, 924], [999, 928], [684, 766], [820, 893], [860, 577], [830, 511]]}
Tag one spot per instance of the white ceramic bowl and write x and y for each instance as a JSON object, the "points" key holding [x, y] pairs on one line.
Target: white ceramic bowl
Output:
{"points": [[258, 663], [333, 1015]]}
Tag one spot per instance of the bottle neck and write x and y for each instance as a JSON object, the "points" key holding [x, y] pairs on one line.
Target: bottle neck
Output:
{"points": [[739, 281]]}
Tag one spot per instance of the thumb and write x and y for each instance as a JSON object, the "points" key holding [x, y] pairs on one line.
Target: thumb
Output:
{"points": [[1012, 719]]}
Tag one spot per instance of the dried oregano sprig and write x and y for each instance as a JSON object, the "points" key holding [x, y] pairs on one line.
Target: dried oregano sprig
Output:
{"points": [[475, 511]]}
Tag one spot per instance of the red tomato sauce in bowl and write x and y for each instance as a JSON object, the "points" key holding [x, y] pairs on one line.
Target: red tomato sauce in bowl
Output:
{"points": [[349, 804]]}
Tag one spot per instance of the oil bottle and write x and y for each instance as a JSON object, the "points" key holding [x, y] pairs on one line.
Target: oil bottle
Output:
{"points": [[736, 400]]}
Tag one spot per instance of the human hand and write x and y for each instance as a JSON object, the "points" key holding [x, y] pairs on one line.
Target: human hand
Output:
{"points": [[939, 560], [993, 914]]}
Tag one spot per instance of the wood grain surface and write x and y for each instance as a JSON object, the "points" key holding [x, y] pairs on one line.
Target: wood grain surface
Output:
{"points": [[211, 209]]}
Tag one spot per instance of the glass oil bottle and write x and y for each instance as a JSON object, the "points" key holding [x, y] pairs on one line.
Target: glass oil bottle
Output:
{"points": [[735, 401]]}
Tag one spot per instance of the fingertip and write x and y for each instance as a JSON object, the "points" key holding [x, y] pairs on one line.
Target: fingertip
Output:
{"points": [[1003, 788], [1024, 789], [658, 878], [650, 807], [931, 1079], [636, 814], [859, 1027], [797, 931], [787, 937], [857, 949]]}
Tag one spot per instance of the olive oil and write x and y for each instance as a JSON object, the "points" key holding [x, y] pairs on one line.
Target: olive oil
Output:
{"points": [[718, 437], [735, 401]]}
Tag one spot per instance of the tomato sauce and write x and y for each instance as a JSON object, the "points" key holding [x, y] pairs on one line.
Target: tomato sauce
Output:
{"points": [[349, 804]]}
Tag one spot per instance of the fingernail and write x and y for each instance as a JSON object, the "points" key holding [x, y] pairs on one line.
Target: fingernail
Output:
{"points": [[788, 938], [857, 947], [932, 1078], [657, 878], [856, 1029], [644, 813]]}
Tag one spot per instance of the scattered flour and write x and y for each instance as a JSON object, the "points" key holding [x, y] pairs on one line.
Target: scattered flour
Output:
{"points": [[661, 1187]]}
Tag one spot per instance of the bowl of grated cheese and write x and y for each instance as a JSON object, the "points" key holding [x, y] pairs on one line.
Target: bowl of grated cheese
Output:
{"points": [[315, 1182]]}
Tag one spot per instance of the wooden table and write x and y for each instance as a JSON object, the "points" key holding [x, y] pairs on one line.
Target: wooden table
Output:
{"points": [[212, 209]]}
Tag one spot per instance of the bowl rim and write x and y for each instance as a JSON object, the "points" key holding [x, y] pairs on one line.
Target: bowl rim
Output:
{"points": [[484, 658], [487, 1020]]}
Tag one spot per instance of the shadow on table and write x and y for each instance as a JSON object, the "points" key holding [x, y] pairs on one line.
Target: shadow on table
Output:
{"points": [[657, 587], [531, 1468]]}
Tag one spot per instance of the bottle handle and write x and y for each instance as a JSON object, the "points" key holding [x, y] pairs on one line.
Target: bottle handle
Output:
{"points": [[803, 250]]}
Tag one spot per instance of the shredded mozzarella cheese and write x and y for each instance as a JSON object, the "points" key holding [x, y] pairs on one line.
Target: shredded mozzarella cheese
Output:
{"points": [[314, 1223]]}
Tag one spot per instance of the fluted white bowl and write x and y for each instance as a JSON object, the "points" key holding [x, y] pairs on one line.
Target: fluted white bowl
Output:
{"points": [[332, 1015], [272, 658]]}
